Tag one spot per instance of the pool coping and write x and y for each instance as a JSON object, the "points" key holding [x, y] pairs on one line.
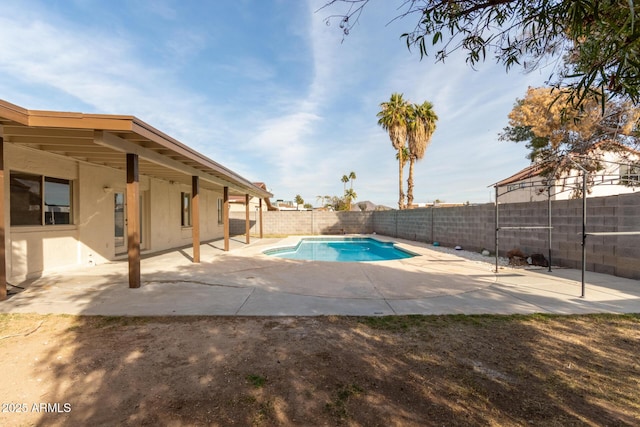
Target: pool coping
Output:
{"points": [[296, 241]]}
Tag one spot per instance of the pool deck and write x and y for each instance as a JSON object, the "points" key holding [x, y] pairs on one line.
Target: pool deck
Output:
{"points": [[245, 282]]}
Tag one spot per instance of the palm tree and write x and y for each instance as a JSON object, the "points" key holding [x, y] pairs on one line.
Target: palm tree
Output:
{"points": [[350, 195], [405, 156], [421, 125], [393, 119], [344, 180], [352, 176]]}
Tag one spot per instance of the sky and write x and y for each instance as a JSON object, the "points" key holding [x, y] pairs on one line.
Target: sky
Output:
{"points": [[268, 89]]}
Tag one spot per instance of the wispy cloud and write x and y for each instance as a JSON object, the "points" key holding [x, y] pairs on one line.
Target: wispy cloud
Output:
{"points": [[287, 103], [103, 71]]}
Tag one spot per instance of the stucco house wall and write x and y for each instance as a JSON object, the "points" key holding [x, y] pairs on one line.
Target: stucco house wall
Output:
{"points": [[35, 250], [254, 204], [605, 182]]}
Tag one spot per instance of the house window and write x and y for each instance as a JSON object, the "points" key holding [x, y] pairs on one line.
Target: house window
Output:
{"points": [[39, 200], [185, 213], [220, 206], [630, 175]]}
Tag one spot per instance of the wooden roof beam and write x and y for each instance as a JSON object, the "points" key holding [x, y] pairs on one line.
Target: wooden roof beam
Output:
{"points": [[110, 140]]}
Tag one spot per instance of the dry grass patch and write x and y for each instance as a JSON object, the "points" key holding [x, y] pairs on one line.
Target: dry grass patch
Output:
{"points": [[400, 370]]}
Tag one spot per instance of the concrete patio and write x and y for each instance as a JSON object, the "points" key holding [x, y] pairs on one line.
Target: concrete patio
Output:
{"points": [[245, 282]]}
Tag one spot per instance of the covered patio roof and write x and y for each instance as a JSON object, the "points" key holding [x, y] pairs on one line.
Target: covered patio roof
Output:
{"points": [[104, 139], [131, 145]]}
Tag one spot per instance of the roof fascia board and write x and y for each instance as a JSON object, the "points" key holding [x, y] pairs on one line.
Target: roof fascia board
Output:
{"points": [[79, 121], [13, 112]]}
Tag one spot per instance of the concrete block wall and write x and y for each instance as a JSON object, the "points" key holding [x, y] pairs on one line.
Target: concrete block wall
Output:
{"points": [[304, 223], [624, 250], [471, 226], [534, 214], [342, 222], [385, 222], [415, 224]]}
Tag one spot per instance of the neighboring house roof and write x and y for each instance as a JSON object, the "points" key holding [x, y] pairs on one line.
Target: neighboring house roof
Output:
{"points": [[536, 169], [102, 139], [528, 172]]}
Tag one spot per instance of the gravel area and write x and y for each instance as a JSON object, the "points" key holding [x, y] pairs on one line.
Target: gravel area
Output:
{"points": [[473, 256], [491, 259]]}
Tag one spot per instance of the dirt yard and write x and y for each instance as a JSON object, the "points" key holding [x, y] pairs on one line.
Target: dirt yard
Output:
{"points": [[389, 371]]}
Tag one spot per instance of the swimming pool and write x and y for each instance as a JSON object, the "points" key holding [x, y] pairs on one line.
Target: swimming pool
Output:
{"points": [[341, 249]]}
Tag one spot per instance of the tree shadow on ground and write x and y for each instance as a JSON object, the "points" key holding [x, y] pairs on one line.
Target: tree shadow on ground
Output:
{"points": [[319, 371]]}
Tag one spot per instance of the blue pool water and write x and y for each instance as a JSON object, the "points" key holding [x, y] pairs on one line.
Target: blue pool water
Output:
{"points": [[345, 249]]}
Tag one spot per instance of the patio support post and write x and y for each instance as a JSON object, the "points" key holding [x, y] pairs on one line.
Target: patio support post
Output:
{"points": [[133, 220], [584, 229], [260, 213], [247, 223], [550, 229], [497, 229], [225, 217], [3, 263], [433, 212], [195, 226]]}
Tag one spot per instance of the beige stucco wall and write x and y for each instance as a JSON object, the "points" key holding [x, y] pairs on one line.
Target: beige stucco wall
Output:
{"points": [[96, 188], [605, 183], [164, 218], [34, 250], [254, 203], [529, 193]]}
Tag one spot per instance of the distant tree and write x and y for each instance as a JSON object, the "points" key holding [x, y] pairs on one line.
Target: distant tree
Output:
{"points": [[352, 177], [299, 200], [344, 180], [421, 125], [308, 206], [549, 128], [405, 156], [338, 203], [320, 199], [551, 131], [324, 200], [393, 119], [350, 196]]}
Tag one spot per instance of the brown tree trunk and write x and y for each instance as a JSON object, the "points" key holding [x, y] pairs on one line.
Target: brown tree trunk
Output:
{"points": [[400, 191], [410, 182]]}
